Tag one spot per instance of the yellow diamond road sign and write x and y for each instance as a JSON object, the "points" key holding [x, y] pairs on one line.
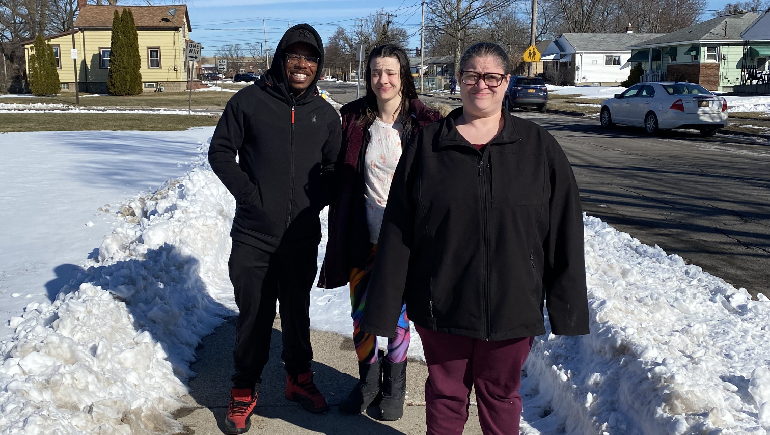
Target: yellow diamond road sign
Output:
{"points": [[531, 54]]}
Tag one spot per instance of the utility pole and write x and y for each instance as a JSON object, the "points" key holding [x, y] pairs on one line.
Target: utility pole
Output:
{"points": [[74, 64], [422, 50], [264, 32], [533, 32]]}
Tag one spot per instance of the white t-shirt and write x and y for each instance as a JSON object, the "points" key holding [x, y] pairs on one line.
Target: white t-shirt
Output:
{"points": [[381, 159]]}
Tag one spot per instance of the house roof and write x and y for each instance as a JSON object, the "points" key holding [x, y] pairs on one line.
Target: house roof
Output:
{"points": [[711, 30], [172, 16], [607, 41], [759, 29]]}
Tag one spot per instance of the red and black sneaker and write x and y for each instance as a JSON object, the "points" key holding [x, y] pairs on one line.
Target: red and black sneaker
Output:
{"points": [[302, 389], [242, 403]]}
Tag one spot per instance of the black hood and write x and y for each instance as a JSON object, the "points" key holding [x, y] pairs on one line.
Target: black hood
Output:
{"points": [[277, 72]]}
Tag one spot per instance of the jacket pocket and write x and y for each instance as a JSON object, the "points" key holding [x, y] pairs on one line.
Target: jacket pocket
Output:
{"points": [[537, 280], [517, 179]]}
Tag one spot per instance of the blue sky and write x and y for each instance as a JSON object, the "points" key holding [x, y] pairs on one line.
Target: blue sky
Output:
{"points": [[224, 22]]}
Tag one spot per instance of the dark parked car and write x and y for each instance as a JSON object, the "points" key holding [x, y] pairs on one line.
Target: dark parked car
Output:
{"points": [[245, 77], [211, 77], [526, 91]]}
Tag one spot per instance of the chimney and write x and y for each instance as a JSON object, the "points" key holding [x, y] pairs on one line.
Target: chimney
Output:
{"points": [[82, 3], [629, 29]]}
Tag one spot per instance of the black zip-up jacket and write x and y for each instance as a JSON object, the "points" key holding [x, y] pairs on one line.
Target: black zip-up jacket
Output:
{"points": [[476, 241], [286, 148]]}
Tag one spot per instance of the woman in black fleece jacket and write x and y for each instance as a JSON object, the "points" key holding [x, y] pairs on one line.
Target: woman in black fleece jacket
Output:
{"points": [[483, 228]]}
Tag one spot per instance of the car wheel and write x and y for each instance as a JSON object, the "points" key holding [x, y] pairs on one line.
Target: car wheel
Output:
{"points": [[543, 108], [651, 123], [606, 118], [708, 131]]}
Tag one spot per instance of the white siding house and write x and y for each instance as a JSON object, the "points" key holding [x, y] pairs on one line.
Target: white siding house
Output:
{"points": [[594, 58]]}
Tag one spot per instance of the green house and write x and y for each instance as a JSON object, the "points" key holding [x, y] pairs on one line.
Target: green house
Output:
{"points": [[711, 53]]}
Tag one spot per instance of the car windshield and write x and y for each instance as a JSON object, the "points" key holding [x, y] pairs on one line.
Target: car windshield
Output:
{"points": [[685, 89], [530, 82]]}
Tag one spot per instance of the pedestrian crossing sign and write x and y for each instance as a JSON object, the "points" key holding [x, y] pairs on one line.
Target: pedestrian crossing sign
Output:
{"points": [[531, 54]]}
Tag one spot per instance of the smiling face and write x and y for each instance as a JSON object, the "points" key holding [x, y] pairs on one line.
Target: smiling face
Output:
{"points": [[480, 99], [300, 74], [386, 78]]}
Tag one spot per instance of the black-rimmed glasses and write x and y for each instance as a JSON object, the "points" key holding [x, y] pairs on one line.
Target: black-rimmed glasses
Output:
{"points": [[492, 80], [296, 58]]}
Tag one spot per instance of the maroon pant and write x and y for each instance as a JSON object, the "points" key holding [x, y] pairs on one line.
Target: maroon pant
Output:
{"points": [[455, 364]]}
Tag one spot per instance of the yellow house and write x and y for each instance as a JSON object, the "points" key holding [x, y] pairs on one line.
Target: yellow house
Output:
{"points": [[163, 34]]}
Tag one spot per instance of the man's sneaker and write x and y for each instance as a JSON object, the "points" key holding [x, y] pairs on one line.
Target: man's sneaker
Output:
{"points": [[302, 389], [242, 403]]}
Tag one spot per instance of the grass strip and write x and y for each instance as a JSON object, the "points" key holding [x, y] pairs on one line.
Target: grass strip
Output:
{"points": [[27, 121]]}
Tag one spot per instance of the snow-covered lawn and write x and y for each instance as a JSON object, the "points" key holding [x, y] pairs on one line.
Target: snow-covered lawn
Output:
{"points": [[672, 349]]}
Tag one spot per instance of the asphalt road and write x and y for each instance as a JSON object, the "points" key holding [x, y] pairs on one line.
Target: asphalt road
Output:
{"points": [[704, 199]]}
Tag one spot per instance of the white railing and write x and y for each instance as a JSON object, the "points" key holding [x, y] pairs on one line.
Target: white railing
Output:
{"points": [[654, 76]]}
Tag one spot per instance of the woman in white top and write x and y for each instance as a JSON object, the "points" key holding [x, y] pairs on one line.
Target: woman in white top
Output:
{"points": [[375, 129]]}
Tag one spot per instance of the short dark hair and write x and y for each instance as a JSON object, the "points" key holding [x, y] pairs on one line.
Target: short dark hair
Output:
{"points": [[482, 49], [408, 90]]}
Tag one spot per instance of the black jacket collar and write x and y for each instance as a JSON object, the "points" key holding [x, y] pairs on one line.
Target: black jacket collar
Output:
{"points": [[451, 137]]}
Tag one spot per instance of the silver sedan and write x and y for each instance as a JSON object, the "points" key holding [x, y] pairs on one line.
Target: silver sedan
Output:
{"points": [[666, 105]]}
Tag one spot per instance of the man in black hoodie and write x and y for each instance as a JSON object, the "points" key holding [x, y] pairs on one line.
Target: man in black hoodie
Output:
{"points": [[274, 149]]}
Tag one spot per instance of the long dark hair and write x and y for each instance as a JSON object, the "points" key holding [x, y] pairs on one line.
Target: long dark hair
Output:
{"points": [[408, 90]]}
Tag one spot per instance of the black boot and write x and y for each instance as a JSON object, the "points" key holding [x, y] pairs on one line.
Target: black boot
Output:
{"points": [[393, 390], [365, 391]]}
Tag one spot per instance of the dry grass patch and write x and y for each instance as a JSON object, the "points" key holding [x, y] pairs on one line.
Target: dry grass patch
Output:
{"points": [[46, 121], [209, 100]]}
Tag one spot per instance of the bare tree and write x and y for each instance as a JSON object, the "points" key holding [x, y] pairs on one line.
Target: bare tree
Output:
{"points": [[612, 16], [254, 51], [748, 6], [377, 29], [508, 29], [457, 18], [233, 54], [339, 53]]}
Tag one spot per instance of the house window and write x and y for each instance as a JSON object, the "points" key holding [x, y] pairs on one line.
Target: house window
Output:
{"points": [[104, 58], [150, 85], [611, 60], [153, 55], [57, 54], [64, 86], [711, 53]]}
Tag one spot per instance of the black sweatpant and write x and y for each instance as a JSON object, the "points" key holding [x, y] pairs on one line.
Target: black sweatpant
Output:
{"points": [[260, 278]]}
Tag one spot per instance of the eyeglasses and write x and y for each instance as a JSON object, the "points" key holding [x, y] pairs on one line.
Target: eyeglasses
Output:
{"points": [[296, 58], [492, 80]]}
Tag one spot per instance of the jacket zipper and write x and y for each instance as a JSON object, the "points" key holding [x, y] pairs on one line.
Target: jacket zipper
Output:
{"points": [[291, 172], [485, 235]]}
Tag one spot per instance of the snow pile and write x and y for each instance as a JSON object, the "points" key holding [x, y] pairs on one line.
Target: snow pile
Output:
{"points": [[215, 88], [748, 104], [672, 349], [110, 354]]}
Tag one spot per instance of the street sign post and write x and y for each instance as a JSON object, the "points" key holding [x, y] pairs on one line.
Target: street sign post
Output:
{"points": [[193, 51], [221, 68], [359, 58], [531, 54], [193, 55]]}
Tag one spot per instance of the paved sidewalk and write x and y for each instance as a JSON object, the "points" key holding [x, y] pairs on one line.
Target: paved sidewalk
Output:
{"points": [[336, 371]]}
